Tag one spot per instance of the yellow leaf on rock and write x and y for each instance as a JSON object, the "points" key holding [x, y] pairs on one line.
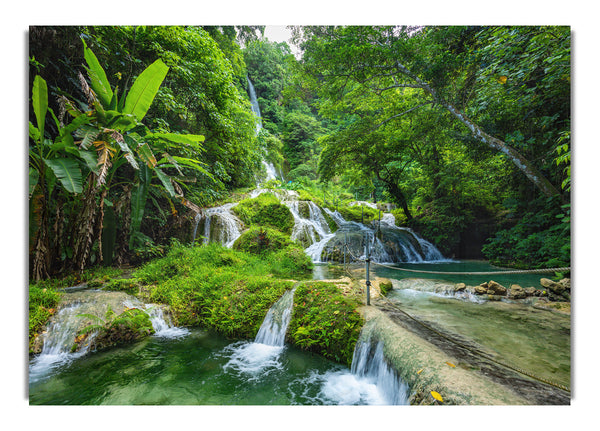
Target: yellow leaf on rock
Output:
{"points": [[420, 371], [437, 396], [502, 79], [451, 364]]}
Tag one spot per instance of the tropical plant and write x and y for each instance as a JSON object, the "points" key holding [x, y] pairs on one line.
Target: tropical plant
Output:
{"points": [[88, 155]]}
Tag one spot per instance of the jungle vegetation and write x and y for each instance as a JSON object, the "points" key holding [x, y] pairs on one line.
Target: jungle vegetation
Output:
{"points": [[466, 130]]}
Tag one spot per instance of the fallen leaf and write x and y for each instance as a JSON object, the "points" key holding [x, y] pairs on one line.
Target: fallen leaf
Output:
{"points": [[420, 371], [502, 79], [437, 396], [451, 364]]}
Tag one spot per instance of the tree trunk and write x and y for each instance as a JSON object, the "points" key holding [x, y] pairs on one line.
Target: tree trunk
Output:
{"points": [[519, 161], [400, 198]]}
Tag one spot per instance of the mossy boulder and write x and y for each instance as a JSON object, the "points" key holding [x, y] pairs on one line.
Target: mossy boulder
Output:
{"points": [[265, 210], [260, 239]]}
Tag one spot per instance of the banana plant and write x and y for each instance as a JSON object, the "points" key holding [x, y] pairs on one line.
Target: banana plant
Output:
{"points": [[86, 155]]}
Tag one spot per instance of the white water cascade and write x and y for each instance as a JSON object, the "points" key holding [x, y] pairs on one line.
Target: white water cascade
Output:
{"points": [[389, 243], [260, 357], [368, 363], [65, 325], [370, 380], [313, 232], [220, 225], [269, 167]]}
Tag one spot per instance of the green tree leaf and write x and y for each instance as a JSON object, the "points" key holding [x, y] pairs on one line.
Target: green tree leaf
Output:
{"points": [[100, 83], [40, 103], [144, 89], [68, 172], [166, 181]]}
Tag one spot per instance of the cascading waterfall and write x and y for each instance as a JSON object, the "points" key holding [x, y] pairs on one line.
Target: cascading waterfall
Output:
{"points": [[220, 225], [313, 232], [65, 325], [389, 243], [370, 380], [260, 357], [368, 362], [57, 341]]}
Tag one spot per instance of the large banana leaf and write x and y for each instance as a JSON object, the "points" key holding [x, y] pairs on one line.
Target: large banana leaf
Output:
{"points": [[166, 181], [39, 99], [98, 79], [144, 89], [68, 173]]}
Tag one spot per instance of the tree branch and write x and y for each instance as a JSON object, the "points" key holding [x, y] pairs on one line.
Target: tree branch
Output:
{"points": [[430, 102]]}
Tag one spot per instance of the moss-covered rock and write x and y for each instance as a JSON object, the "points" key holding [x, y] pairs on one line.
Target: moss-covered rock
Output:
{"points": [[131, 325], [325, 321], [265, 210], [259, 239]]}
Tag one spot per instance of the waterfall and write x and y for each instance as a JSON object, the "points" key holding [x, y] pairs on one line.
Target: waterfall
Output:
{"points": [[369, 363], [260, 357], [312, 231], [370, 380], [57, 340], [162, 327], [269, 167], [63, 328], [220, 225], [274, 326], [393, 244], [254, 103]]}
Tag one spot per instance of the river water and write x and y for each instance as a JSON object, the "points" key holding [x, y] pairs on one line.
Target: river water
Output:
{"points": [[516, 333], [181, 366]]}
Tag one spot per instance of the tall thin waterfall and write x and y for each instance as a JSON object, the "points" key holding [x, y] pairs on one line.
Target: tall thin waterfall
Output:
{"points": [[258, 358], [273, 329], [255, 106], [269, 167]]}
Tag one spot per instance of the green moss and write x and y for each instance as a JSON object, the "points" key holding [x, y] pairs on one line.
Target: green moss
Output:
{"points": [[291, 261], [262, 240], [385, 287], [325, 321], [304, 195], [333, 227], [212, 286], [359, 214], [265, 210], [130, 326], [42, 305], [127, 285]]}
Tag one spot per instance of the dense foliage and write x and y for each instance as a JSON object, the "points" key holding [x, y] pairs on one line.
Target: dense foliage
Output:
{"points": [[465, 129], [462, 126], [106, 187]]}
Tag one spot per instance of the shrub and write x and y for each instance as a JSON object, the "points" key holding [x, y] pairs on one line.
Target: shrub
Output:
{"points": [[359, 214], [291, 262]]}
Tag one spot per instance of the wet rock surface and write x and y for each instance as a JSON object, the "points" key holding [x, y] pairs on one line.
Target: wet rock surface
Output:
{"points": [[470, 357]]}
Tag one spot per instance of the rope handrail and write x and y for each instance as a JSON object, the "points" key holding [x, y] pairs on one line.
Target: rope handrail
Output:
{"points": [[501, 272], [474, 351], [522, 271]]}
